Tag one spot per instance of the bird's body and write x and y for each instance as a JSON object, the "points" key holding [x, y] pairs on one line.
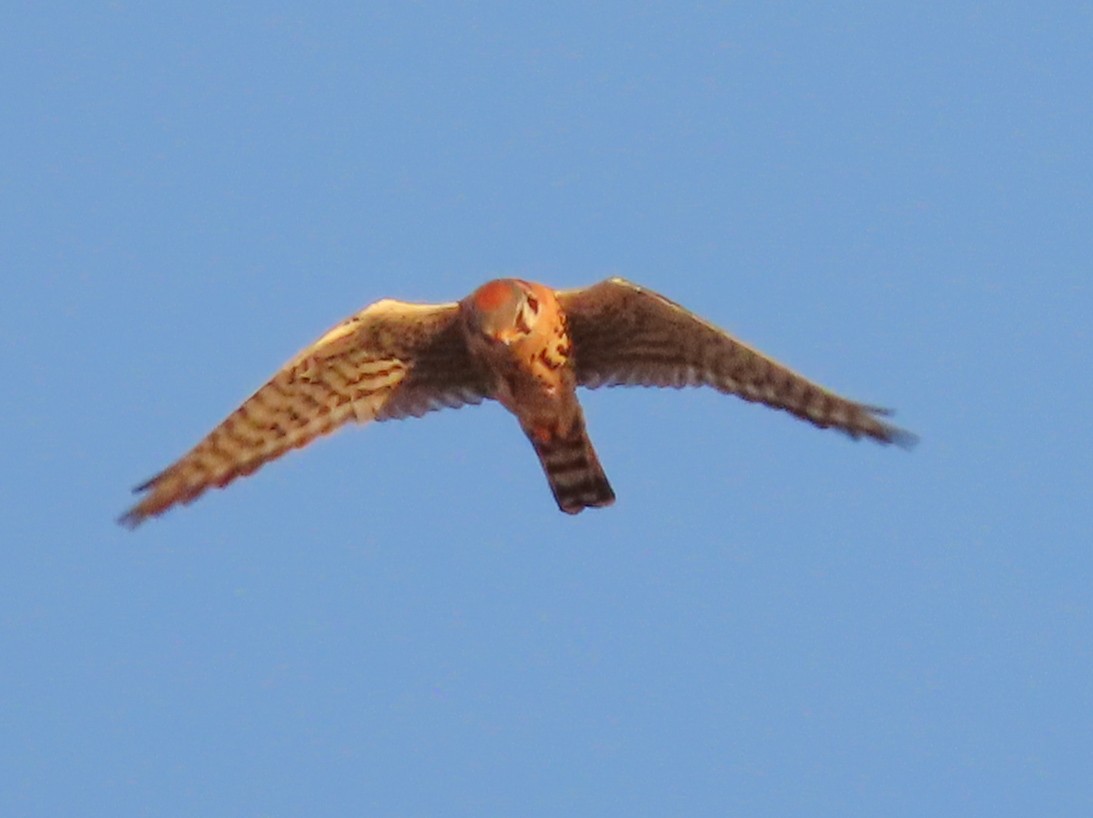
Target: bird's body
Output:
{"points": [[517, 342], [531, 359]]}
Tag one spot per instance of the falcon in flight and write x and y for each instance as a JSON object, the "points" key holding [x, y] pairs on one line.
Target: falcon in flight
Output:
{"points": [[520, 343]]}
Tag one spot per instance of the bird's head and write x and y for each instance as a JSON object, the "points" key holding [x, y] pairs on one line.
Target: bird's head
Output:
{"points": [[503, 311]]}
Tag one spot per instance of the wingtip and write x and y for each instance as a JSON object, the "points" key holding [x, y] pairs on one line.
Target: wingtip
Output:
{"points": [[895, 435], [904, 439], [144, 509], [131, 519], [890, 433]]}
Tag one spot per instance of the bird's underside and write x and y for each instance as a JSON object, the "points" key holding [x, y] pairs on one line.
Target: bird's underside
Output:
{"points": [[514, 341]]}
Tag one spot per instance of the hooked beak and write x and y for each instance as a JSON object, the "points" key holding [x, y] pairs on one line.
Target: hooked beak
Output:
{"points": [[504, 336], [507, 335]]}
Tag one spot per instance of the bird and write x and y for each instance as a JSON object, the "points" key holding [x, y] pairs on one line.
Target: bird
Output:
{"points": [[518, 342]]}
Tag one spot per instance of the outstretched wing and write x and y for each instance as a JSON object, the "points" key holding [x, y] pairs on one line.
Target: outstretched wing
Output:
{"points": [[391, 360], [623, 334]]}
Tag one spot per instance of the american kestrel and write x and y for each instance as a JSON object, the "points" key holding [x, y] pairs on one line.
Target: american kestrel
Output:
{"points": [[514, 341]]}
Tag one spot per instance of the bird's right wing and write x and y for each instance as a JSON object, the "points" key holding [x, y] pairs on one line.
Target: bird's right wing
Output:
{"points": [[391, 360], [624, 334]]}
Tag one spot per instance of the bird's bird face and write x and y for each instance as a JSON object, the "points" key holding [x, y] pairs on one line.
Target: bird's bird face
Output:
{"points": [[503, 311]]}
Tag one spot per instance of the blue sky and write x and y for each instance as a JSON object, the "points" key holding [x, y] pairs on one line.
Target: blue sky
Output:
{"points": [[772, 620]]}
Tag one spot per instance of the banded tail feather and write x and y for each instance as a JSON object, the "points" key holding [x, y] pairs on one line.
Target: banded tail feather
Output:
{"points": [[572, 468]]}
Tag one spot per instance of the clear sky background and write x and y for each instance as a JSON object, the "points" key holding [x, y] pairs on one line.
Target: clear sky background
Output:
{"points": [[894, 199]]}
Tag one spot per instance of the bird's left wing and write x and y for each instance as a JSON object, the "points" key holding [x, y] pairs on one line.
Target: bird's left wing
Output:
{"points": [[624, 334], [391, 360]]}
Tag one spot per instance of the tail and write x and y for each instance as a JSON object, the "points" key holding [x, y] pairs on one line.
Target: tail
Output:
{"points": [[572, 469]]}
